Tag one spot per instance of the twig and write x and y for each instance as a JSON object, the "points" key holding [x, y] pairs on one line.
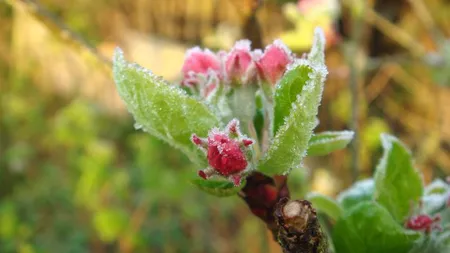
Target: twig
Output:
{"points": [[293, 223], [394, 32], [426, 18], [353, 54], [299, 230]]}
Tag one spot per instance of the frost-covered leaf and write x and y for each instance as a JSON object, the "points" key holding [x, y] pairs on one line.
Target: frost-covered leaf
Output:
{"points": [[327, 142], [289, 145], [317, 54], [325, 205], [164, 111], [357, 193], [438, 186], [436, 195], [368, 227], [398, 184], [287, 90], [219, 188]]}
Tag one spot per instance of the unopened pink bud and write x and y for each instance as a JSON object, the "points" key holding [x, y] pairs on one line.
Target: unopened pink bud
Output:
{"points": [[272, 64], [239, 62], [199, 61], [225, 154], [225, 151]]}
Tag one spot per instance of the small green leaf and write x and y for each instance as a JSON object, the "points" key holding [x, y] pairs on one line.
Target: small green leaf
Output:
{"points": [[164, 111], [397, 183], [368, 227], [219, 188], [357, 193], [438, 186], [289, 145], [287, 90], [317, 54], [325, 205], [327, 142], [436, 196]]}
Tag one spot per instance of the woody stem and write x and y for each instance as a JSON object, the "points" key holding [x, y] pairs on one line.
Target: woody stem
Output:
{"points": [[294, 223]]}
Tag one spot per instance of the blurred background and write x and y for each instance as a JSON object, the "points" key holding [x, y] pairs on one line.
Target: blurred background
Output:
{"points": [[76, 177]]}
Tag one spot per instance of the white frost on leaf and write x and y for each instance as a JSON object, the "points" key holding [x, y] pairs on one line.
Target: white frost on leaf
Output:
{"points": [[161, 109]]}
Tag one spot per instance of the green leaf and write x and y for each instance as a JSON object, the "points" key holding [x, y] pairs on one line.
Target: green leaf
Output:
{"points": [[325, 205], [397, 183], [164, 111], [438, 186], [289, 145], [357, 193], [327, 142], [219, 188], [436, 196], [287, 90], [368, 227], [317, 54]]}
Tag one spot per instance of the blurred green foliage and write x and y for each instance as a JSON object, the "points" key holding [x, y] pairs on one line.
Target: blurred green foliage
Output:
{"points": [[73, 179]]}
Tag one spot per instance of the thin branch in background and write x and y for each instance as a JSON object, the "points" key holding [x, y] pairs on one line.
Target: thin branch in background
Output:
{"points": [[394, 32], [353, 56], [426, 18], [58, 28]]}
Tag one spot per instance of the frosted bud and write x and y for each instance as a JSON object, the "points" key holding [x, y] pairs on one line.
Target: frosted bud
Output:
{"points": [[225, 151], [273, 62]]}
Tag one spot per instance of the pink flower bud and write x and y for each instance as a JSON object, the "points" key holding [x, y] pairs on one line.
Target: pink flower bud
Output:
{"points": [[423, 222], [239, 64], [272, 64], [199, 61], [226, 155]]}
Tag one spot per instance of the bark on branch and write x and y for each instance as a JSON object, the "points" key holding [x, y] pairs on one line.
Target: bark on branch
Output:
{"points": [[294, 223]]}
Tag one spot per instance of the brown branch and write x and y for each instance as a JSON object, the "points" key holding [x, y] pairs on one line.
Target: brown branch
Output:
{"points": [[293, 223], [299, 230]]}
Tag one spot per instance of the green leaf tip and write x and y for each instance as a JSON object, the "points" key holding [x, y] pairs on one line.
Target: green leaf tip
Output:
{"points": [[163, 110], [360, 191], [326, 142], [398, 184], [317, 53]]}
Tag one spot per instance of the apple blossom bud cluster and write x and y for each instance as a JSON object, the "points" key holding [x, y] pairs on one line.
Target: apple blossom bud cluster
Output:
{"points": [[236, 74], [204, 70], [227, 152]]}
